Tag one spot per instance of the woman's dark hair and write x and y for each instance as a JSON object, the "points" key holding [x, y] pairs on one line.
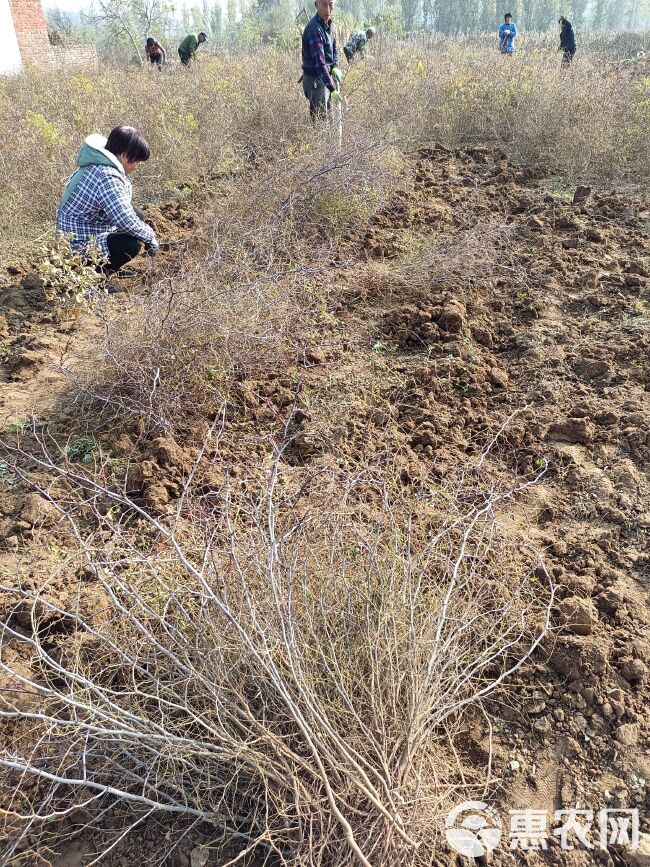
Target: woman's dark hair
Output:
{"points": [[150, 41], [128, 141], [507, 15]]}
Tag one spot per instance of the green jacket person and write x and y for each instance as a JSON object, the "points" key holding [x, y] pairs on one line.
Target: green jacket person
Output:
{"points": [[187, 48]]}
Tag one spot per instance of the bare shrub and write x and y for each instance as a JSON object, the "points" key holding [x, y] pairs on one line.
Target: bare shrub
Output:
{"points": [[288, 670], [242, 298]]}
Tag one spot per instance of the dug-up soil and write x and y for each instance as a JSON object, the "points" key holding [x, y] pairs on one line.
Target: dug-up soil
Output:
{"points": [[477, 293]]}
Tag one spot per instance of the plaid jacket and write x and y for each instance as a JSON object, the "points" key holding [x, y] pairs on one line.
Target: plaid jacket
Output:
{"points": [[319, 50], [101, 204]]}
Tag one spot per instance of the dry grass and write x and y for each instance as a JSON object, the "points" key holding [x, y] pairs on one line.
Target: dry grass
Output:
{"points": [[286, 657], [227, 114], [242, 299]]}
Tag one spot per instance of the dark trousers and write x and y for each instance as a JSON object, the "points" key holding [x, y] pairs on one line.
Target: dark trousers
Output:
{"points": [[318, 96], [157, 59], [567, 57], [185, 58], [122, 247]]}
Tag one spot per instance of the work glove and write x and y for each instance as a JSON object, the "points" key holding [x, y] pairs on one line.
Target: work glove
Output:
{"points": [[337, 74], [151, 249], [336, 98]]}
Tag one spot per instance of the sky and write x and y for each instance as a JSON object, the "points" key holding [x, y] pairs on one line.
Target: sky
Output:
{"points": [[66, 5]]}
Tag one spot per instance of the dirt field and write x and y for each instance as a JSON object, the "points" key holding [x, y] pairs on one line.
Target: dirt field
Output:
{"points": [[478, 294]]}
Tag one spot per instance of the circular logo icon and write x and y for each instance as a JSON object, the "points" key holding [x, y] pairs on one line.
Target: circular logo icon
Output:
{"points": [[473, 828]]}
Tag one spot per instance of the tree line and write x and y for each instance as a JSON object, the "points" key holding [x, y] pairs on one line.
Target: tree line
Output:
{"points": [[119, 27]]}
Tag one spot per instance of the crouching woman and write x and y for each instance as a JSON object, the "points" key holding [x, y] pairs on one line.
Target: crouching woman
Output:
{"points": [[96, 204]]}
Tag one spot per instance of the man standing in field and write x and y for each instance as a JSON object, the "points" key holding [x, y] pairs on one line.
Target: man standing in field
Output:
{"points": [[356, 43], [320, 62], [507, 33], [187, 48], [567, 41]]}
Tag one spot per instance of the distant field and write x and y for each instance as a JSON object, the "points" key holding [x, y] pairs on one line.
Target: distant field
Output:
{"points": [[591, 123]]}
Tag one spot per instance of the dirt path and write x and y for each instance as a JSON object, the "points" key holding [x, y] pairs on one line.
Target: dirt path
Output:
{"points": [[41, 344], [37, 354]]}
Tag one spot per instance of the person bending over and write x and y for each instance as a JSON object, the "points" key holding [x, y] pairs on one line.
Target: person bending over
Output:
{"points": [[96, 205], [155, 52], [356, 44], [188, 47]]}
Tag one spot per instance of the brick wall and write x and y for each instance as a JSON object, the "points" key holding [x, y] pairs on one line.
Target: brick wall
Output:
{"points": [[75, 55], [31, 32], [34, 43]]}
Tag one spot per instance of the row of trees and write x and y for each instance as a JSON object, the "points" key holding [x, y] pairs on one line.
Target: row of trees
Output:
{"points": [[120, 26], [536, 15]]}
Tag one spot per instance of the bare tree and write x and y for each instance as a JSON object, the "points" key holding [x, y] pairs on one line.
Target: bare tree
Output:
{"points": [[59, 21], [130, 21]]}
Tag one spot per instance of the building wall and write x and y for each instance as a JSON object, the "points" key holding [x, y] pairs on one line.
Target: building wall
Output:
{"points": [[31, 32], [75, 55], [24, 39], [9, 50]]}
